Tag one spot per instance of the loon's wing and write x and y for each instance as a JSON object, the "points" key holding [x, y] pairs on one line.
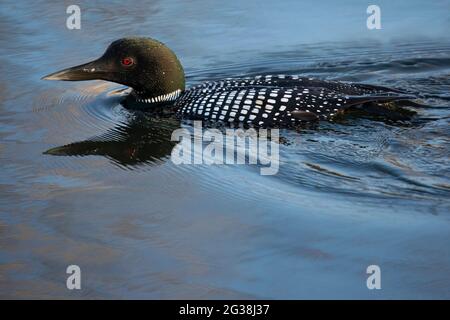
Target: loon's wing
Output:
{"points": [[296, 82], [263, 105]]}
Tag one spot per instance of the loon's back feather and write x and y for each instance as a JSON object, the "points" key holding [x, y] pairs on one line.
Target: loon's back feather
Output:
{"points": [[277, 100]]}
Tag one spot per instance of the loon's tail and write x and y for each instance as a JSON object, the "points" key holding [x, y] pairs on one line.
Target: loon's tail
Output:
{"points": [[383, 107]]}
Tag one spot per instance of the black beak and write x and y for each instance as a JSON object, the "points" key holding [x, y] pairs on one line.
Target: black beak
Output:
{"points": [[89, 71]]}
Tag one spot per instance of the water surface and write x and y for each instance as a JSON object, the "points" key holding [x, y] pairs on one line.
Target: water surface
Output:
{"points": [[348, 194]]}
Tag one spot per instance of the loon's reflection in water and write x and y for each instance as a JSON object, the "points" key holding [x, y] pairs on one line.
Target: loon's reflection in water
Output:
{"points": [[143, 140]]}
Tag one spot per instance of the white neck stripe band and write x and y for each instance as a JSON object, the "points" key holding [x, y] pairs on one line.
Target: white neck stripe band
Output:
{"points": [[162, 98]]}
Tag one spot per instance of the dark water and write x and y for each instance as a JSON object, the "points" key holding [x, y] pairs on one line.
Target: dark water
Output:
{"points": [[348, 194]]}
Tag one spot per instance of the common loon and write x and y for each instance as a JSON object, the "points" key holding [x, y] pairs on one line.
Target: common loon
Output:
{"points": [[157, 79]]}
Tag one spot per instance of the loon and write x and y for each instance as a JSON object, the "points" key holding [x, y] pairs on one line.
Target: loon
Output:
{"points": [[157, 79]]}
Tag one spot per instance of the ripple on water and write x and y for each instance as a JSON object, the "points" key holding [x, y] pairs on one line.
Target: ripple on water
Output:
{"points": [[365, 160]]}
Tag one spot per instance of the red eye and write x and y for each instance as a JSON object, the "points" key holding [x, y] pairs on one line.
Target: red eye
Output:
{"points": [[127, 61]]}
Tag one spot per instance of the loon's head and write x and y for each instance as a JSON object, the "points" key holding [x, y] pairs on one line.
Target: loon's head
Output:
{"points": [[144, 64]]}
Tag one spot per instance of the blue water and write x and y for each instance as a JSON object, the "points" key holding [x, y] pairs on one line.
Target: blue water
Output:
{"points": [[348, 194]]}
